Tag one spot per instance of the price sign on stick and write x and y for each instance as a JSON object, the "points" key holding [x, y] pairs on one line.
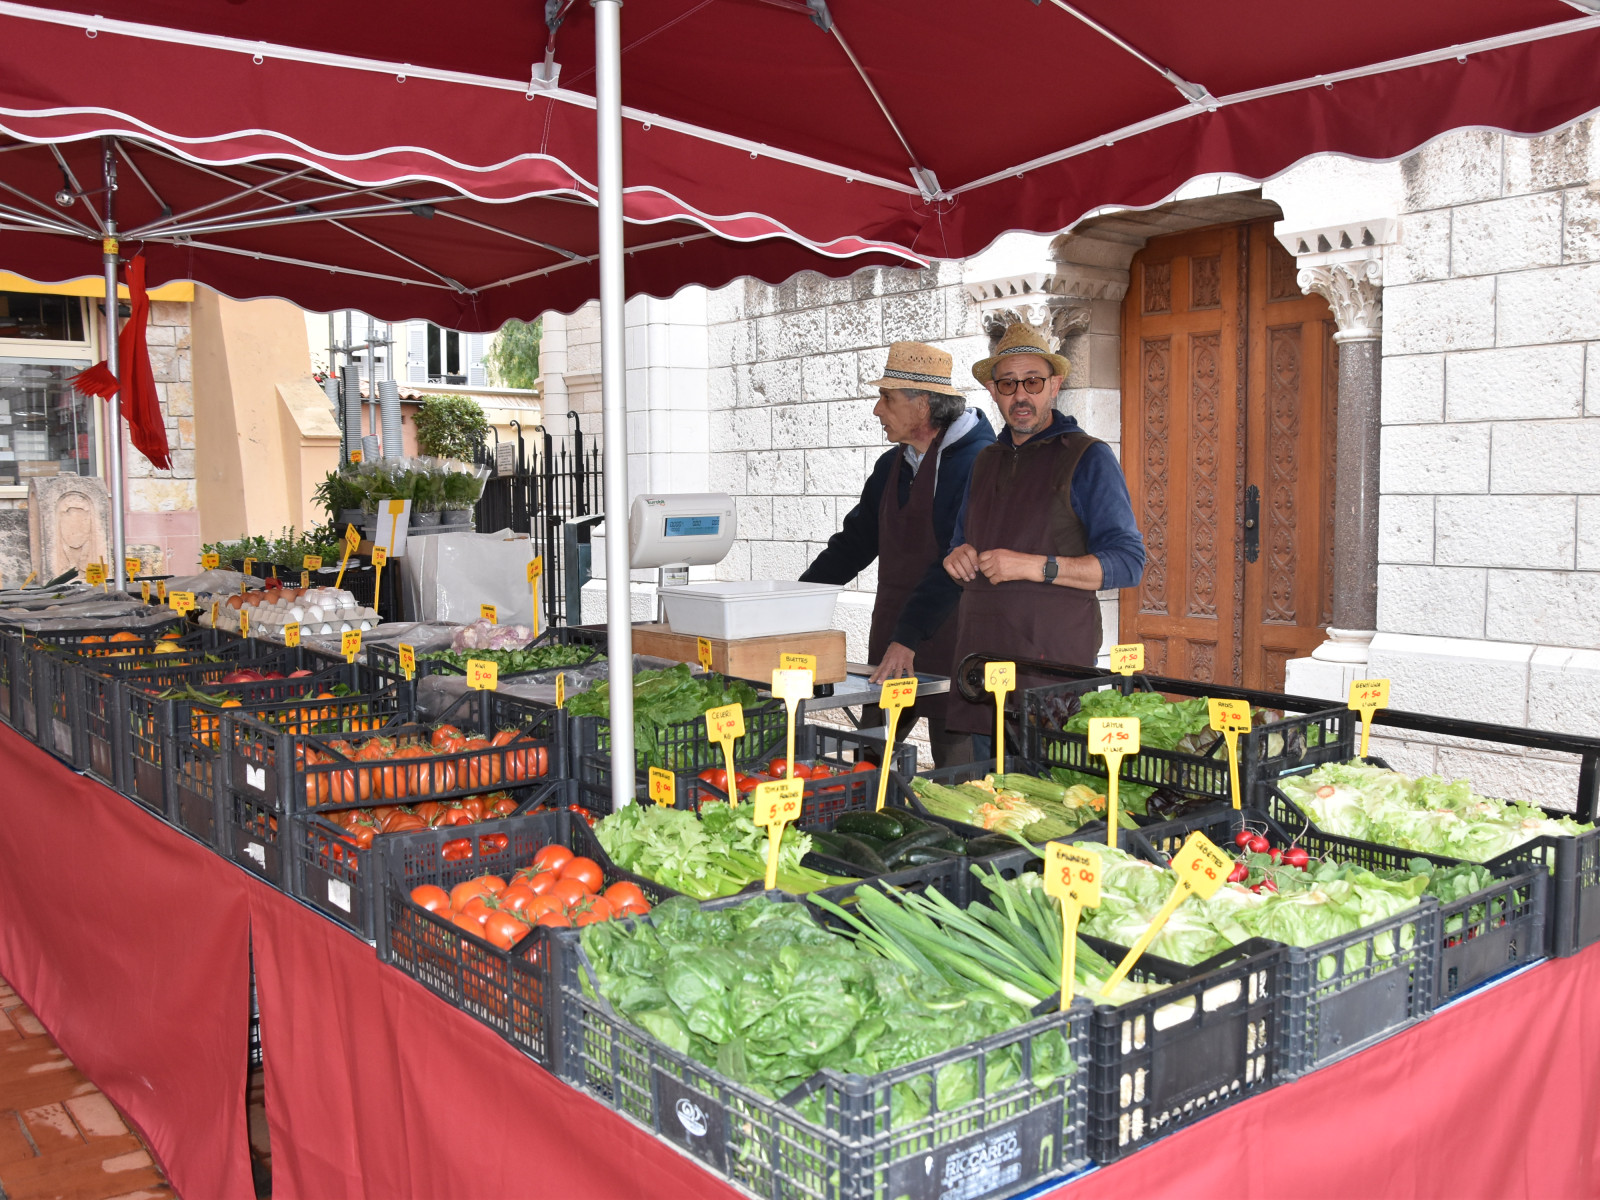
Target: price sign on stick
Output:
{"points": [[380, 559], [489, 613], [352, 539], [1000, 678], [32, 575], [95, 573], [1126, 660], [1111, 738], [1230, 718], [482, 674], [1367, 696], [535, 572], [1201, 869], [663, 787], [215, 605], [180, 602], [311, 562], [355, 456], [725, 726], [244, 622], [798, 662], [144, 592], [305, 580], [777, 803], [210, 562], [561, 689], [350, 644], [132, 566], [291, 634], [791, 687], [896, 696], [702, 648], [408, 660], [1071, 876], [161, 590], [249, 565]]}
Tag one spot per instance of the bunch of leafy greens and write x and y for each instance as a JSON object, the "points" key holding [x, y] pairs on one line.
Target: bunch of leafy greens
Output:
{"points": [[661, 699], [519, 662], [1328, 900], [1428, 814], [1183, 725], [717, 853], [767, 997]]}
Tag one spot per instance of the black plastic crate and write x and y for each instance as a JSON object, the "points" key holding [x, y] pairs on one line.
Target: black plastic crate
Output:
{"points": [[1347, 992], [1208, 1039], [1266, 752], [461, 968], [685, 748], [387, 658], [1004, 1141], [343, 880], [903, 793]]}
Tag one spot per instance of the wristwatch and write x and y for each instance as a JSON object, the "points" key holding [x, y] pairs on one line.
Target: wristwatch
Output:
{"points": [[1051, 567]]}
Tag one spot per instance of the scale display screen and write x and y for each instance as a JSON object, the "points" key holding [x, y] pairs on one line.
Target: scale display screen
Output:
{"points": [[702, 526]]}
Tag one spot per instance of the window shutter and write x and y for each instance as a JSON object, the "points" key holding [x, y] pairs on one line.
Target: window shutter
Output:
{"points": [[416, 352], [477, 373]]}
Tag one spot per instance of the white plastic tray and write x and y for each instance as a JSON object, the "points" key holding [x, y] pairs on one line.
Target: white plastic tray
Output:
{"points": [[760, 608]]}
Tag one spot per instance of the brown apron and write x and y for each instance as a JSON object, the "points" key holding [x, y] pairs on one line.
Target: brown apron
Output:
{"points": [[907, 547], [1020, 499]]}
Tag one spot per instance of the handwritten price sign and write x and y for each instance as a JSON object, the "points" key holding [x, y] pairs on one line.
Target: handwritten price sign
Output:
{"points": [[352, 539], [777, 803], [702, 648], [482, 675], [798, 662], [663, 787], [1201, 867], [1367, 696], [895, 696], [1127, 659], [1111, 738], [350, 644], [1230, 718], [95, 573], [380, 557], [408, 660], [132, 567], [210, 562], [489, 613], [180, 601], [311, 562], [1000, 678], [725, 724], [291, 634], [1071, 876]]}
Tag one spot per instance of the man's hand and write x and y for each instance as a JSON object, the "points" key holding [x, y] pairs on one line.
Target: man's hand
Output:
{"points": [[961, 564], [1003, 566], [896, 664]]}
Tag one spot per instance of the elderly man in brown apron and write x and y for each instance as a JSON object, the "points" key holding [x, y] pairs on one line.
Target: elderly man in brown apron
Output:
{"points": [[1047, 524], [904, 521]]}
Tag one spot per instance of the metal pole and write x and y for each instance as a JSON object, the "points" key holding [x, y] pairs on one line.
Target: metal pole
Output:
{"points": [[108, 248], [613, 393]]}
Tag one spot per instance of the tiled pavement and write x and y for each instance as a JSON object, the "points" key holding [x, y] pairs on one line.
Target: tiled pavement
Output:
{"points": [[60, 1138]]}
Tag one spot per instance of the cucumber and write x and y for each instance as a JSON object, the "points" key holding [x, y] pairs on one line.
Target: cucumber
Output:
{"points": [[954, 843], [849, 850], [921, 856], [894, 852], [881, 826], [993, 843]]}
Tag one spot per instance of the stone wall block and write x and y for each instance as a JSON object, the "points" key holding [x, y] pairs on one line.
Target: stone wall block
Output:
{"points": [[725, 304], [1098, 410], [1453, 314], [1506, 235], [754, 515], [961, 316], [1454, 677], [855, 326], [166, 312], [1561, 304], [1506, 531], [777, 560], [760, 299], [775, 383], [1508, 775], [851, 423], [864, 285], [1564, 690], [804, 518], [1405, 529], [1545, 457], [913, 316], [721, 389], [1555, 160], [897, 280], [1458, 168], [1432, 459], [830, 376], [735, 567], [1431, 601], [833, 472], [1423, 252], [178, 399], [1409, 758], [1588, 533], [730, 471], [1551, 608], [729, 343], [742, 429], [164, 363], [1413, 389], [1516, 384], [1581, 235], [160, 335], [799, 426], [775, 472]]}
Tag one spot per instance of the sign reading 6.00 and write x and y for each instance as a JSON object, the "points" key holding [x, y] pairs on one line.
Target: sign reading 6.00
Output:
{"points": [[1201, 868]]}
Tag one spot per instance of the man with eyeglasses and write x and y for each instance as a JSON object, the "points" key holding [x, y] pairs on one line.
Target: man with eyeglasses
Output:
{"points": [[1047, 523]]}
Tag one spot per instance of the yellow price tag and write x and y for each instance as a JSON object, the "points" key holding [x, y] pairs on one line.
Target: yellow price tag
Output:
{"points": [[161, 590], [1230, 718], [132, 567], [32, 575], [489, 613], [305, 580], [895, 696], [311, 562], [561, 689], [95, 573], [180, 601], [791, 685], [1071, 876], [535, 568], [144, 590], [1111, 738], [663, 787], [798, 662], [215, 604], [1201, 869], [211, 561], [244, 588], [1000, 678], [703, 649], [291, 634], [408, 660], [350, 644], [355, 456], [249, 564], [1367, 696], [777, 803], [1127, 659], [482, 675], [352, 539], [380, 556], [244, 622], [725, 726]]}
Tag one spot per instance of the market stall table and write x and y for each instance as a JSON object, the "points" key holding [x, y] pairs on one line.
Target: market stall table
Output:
{"points": [[374, 1087]]}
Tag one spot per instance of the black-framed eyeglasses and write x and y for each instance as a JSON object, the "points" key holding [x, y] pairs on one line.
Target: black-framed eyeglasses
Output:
{"points": [[1008, 387]]}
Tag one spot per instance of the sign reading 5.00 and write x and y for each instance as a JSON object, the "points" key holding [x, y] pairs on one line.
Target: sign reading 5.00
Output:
{"points": [[778, 802]]}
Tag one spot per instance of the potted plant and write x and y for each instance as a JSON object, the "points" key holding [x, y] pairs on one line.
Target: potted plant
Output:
{"points": [[461, 492], [341, 495], [427, 495]]}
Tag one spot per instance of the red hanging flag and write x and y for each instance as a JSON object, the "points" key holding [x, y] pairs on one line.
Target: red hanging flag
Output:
{"points": [[140, 406]]}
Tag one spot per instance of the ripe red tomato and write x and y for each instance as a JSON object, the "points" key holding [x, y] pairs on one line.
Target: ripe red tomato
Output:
{"points": [[539, 906], [470, 924], [592, 911], [626, 899], [504, 930], [442, 734], [569, 891], [717, 777], [863, 766], [434, 899], [516, 898], [554, 918], [552, 857], [462, 892], [586, 871], [478, 908], [746, 783]]}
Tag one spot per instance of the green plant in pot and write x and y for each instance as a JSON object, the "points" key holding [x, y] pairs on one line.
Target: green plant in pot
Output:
{"points": [[427, 496], [461, 492], [340, 495]]}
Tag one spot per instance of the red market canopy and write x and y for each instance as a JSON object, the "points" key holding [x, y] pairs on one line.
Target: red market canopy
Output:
{"points": [[934, 125]]}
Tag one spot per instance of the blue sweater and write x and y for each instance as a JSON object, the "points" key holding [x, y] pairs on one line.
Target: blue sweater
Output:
{"points": [[1100, 500], [855, 546]]}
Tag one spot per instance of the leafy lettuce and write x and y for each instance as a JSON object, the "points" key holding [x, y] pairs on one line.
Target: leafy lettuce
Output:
{"points": [[662, 699]]}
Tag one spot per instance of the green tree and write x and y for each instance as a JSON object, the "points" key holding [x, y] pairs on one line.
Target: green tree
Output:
{"points": [[513, 359], [450, 426]]}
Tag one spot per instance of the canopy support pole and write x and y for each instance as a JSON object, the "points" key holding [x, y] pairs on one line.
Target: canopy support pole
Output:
{"points": [[613, 393], [119, 541]]}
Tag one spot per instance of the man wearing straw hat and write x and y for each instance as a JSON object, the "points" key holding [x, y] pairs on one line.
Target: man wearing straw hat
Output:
{"points": [[1047, 523], [904, 520]]}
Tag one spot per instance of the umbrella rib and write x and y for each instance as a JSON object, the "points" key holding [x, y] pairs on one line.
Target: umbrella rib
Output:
{"points": [[571, 255], [38, 223], [1426, 58], [917, 169], [300, 262], [1195, 93], [54, 213], [550, 270], [410, 262], [179, 218], [78, 188], [257, 218], [122, 151]]}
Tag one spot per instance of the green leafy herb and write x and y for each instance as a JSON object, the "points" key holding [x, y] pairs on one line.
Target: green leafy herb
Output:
{"points": [[662, 699]]}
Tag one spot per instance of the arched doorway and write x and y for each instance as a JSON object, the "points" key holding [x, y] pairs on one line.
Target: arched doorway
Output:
{"points": [[1229, 390]]}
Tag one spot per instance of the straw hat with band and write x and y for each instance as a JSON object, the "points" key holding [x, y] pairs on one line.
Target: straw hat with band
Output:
{"points": [[1020, 338], [918, 367]]}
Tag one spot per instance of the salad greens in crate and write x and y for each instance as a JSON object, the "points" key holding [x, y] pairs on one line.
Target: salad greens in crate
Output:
{"points": [[662, 699], [1036, 809], [520, 662]]}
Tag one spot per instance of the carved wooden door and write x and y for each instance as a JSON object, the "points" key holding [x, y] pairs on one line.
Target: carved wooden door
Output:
{"points": [[1227, 404]]}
